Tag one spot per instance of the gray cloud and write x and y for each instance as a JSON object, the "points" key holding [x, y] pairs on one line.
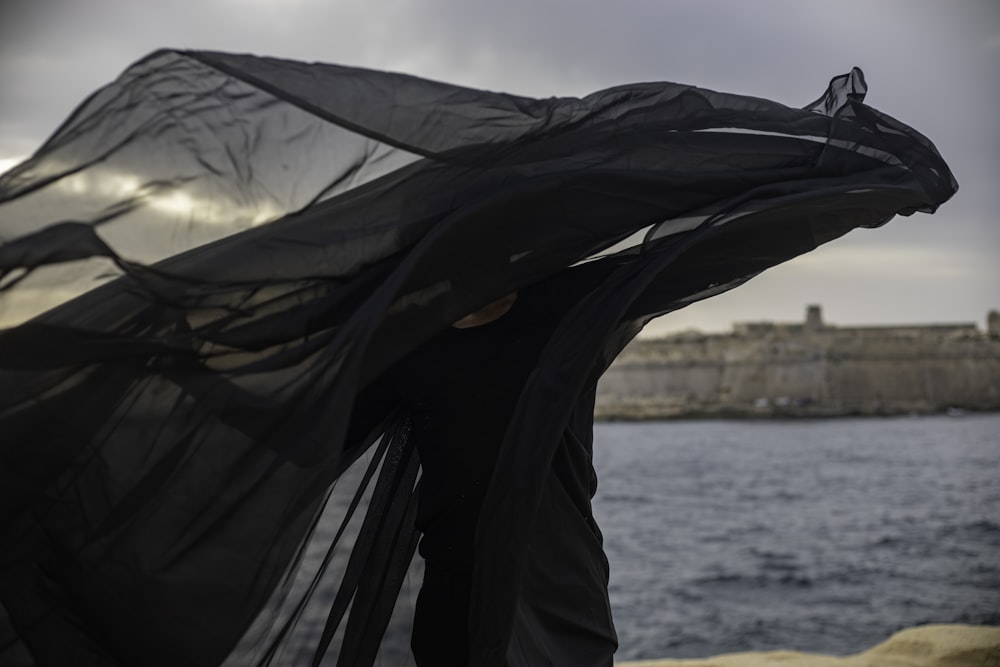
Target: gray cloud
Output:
{"points": [[930, 63]]}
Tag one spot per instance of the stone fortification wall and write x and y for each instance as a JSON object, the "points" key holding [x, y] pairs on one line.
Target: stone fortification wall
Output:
{"points": [[796, 370]]}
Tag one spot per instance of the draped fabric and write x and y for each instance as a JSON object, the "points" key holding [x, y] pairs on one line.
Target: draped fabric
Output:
{"points": [[210, 262]]}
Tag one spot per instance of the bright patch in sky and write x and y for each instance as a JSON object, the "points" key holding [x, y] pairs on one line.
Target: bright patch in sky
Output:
{"points": [[8, 163]]}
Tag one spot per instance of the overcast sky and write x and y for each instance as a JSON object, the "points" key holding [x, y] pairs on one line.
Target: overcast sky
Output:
{"points": [[933, 64]]}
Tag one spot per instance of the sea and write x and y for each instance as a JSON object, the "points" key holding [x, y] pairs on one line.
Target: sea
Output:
{"points": [[822, 536], [813, 535]]}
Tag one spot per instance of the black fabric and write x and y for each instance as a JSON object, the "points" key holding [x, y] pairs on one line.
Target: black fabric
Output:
{"points": [[440, 637], [460, 389], [218, 258]]}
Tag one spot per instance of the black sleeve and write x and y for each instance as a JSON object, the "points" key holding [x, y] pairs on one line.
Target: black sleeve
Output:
{"points": [[373, 406]]}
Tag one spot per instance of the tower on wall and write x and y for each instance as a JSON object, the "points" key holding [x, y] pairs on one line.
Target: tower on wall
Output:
{"points": [[993, 323], [814, 317]]}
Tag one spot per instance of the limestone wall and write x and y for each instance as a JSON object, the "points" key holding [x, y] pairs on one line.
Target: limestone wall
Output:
{"points": [[794, 370]]}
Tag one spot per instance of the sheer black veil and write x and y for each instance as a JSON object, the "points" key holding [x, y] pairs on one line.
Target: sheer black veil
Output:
{"points": [[208, 263]]}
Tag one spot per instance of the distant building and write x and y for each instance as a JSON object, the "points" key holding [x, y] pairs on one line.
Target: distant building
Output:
{"points": [[807, 369]]}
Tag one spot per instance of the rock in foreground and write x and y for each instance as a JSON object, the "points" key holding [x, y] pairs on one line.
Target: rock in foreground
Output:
{"points": [[925, 646]]}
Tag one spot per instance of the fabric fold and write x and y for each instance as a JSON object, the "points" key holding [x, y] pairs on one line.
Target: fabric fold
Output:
{"points": [[209, 263]]}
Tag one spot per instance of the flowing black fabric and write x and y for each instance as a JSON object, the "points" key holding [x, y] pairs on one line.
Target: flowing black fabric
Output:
{"points": [[209, 268]]}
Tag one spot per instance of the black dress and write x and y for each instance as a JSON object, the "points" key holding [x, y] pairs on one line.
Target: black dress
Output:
{"points": [[459, 391], [211, 270]]}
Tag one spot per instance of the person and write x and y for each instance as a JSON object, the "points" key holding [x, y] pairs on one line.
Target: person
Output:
{"points": [[232, 396], [460, 390]]}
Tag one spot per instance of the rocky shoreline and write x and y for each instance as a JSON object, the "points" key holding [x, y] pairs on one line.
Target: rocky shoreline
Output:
{"points": [[924, 646], [665, 411]]}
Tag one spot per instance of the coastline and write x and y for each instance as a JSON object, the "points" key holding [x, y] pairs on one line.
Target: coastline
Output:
{"points": [[808, 369], [922, 646], [639, 412]]}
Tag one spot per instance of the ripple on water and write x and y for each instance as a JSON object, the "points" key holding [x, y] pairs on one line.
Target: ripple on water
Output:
{"points": [[823, 536]]}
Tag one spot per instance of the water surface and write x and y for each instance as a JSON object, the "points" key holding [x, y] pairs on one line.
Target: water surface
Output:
{"points": [[824, 535]]}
